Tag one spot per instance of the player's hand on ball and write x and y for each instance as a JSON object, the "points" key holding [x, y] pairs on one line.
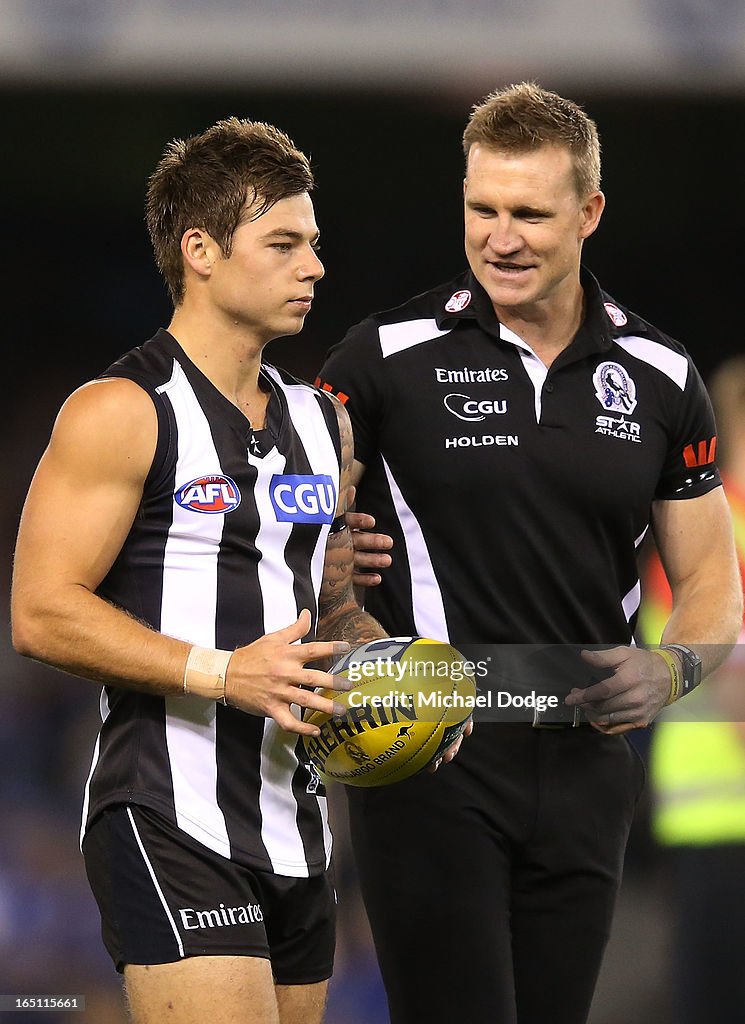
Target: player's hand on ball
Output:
{"points": [[412, 698], [369, 548], [267, 676], [634, 692], [448, 755]]}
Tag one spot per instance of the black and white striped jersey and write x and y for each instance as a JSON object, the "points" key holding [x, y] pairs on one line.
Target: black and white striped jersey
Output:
{"points": [[228, 545], [517, 495]]}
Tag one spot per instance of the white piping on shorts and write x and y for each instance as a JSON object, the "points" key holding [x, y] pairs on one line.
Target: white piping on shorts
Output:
{"points": [[155, 881]]}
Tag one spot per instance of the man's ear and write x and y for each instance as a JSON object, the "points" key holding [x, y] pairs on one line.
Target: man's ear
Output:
{"points": [[592, 211], [196, 248]]}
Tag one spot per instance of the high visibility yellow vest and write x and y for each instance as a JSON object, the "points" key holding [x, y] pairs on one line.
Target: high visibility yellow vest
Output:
{"points": [[697, 767], [697, 771]]}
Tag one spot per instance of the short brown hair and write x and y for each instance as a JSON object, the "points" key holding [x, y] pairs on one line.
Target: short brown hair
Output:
{"points": [[206, 181], [521, 118]]}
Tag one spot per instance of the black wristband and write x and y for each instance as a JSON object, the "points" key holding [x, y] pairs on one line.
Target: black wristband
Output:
{"points": [[339, 524]]}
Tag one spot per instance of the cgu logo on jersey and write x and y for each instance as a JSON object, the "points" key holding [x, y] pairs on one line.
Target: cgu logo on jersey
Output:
{"points": [[471, 410], [211, 495], [300, 498]]}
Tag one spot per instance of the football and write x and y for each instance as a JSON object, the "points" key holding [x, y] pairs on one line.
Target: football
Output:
{"points": [[410, 699]]}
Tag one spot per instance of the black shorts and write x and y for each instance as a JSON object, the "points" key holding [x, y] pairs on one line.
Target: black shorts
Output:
{"points": [[163, 897]]}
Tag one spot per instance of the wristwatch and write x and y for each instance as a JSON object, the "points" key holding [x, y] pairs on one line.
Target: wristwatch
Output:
{"points": [[691, 666]]}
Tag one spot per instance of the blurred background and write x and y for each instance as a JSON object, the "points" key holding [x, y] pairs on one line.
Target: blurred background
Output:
{"points": [[377, 92]]}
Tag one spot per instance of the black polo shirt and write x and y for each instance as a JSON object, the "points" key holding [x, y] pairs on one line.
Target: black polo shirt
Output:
{"points": [[517, 496]]}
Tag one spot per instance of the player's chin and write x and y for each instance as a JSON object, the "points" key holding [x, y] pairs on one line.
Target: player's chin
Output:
{"points": [[294, 322], [287, 327], [508, 293]]}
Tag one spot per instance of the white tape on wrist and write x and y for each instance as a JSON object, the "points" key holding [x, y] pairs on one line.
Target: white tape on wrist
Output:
{"points": [[205, 672]]}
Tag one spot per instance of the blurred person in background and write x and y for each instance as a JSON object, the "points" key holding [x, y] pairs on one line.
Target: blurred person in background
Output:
{"points": [[517, 430], [183, 533], [697, 775]]}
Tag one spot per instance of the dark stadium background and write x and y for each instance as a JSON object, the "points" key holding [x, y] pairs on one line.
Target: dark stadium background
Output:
{"points": [[79, 288]]}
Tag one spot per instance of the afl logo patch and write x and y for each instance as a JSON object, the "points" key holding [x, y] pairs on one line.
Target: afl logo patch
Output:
{"points": [[458, 301], [617, 316], [301, 498], [212, 495], [614, 388]]}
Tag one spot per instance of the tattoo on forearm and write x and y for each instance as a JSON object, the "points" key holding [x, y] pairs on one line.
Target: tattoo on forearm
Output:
{"points": [[346, 438], [338, 569], [352, 624], [339, 615]]}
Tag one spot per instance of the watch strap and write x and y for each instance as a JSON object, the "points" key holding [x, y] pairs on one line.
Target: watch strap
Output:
{"points": [[691, 664]]}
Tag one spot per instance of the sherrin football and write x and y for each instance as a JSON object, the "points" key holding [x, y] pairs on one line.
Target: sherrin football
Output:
{"points": [[411, 698]]}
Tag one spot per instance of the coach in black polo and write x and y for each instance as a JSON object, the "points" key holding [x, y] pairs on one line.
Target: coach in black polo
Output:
{"points": [[518, 431]]}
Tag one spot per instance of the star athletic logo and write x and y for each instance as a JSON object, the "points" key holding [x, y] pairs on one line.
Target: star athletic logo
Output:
{"points": [[620, 427]]}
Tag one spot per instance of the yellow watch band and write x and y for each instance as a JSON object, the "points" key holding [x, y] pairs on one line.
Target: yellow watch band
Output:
{"points": [[675, 677]]}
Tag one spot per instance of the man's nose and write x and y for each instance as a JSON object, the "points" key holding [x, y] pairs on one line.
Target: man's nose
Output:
{"points": [[505, 238]]}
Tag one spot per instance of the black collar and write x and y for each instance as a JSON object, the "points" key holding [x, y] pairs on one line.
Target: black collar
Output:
{"points": [[603, 322]]}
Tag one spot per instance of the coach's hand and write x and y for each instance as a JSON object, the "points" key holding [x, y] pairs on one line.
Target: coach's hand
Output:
{"points": [[369, 548], [632, 695], [450, 752], [267, 676]]}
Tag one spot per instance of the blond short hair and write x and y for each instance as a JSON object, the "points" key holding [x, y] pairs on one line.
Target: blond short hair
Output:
{"points": [[522, 118]]}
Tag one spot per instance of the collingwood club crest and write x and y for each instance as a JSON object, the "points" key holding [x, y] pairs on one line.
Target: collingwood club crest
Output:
{"points": [[614, 388]]}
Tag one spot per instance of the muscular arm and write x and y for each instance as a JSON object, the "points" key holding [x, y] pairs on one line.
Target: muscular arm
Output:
{"points": [[80, 508], [340, 616], [698, 553], [697, 548]]}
